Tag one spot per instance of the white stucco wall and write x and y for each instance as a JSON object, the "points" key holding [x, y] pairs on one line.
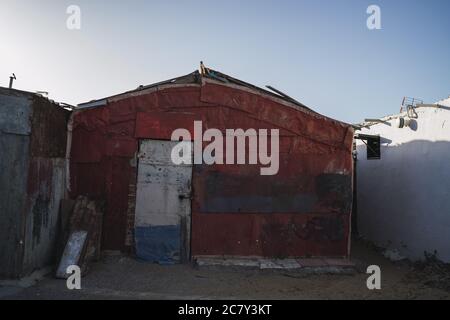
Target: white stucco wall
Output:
{"points": [[404, 198]]}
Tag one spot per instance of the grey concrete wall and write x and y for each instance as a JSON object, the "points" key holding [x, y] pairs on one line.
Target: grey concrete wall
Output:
{"points": [[404, 198]]}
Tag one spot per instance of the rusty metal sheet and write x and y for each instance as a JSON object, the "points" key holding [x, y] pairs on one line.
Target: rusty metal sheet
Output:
{"points": [[32, 149], [88, 179], [121, 147], [49, 127], [87, 146], [117, 179], [302, 122], [46, 182], [46, 187], [160, 125], [270, 235]]}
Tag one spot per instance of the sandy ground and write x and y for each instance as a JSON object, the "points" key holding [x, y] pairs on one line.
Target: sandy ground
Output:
{"points": [[126, 278]]}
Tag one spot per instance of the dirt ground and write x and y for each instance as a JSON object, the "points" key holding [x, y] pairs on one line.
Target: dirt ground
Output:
{"points": [[118, 277]]}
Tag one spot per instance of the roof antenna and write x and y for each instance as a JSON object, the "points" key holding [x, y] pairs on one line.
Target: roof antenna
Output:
{"points": [[11, 80]]}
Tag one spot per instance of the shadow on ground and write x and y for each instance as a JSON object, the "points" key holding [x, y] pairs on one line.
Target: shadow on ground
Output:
{"points": [[126, 278]]}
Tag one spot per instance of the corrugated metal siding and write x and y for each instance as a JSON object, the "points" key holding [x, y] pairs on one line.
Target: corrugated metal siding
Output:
{"points": [[32, 162], [304, 210], [46, 182], [46, 189]]}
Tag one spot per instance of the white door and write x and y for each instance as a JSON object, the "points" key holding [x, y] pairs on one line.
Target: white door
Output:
{"points": [[163, 204]]}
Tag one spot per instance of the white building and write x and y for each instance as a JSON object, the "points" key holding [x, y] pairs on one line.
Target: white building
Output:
{"points": [[403, 198]]}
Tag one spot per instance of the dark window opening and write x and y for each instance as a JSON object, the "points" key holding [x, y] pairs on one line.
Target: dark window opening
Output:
{"points": [[373, 148], [373, 145]]}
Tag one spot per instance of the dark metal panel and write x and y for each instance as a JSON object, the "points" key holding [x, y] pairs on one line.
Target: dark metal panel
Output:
{"points": [[15, 114], [335, 192], [15, 128], [248, 192], [271, 235], [14, 156]]}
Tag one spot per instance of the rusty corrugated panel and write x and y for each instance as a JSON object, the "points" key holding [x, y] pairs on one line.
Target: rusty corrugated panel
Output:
{"points": [[32, 147], [46, 187], [118, 175], [129, 239], [277, 235], [49, 129], [46, 182], [160, 125]]}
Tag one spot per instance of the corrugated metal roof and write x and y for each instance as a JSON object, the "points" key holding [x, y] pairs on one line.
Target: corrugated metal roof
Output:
{"points": [[16, 92], [195, 78], [12, 91]]}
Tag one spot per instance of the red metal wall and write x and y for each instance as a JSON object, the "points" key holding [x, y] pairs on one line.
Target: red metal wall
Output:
{"points": [[304, 210]]}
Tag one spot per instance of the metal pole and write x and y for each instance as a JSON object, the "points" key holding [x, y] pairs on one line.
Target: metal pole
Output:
{"points": [[11, 80]]}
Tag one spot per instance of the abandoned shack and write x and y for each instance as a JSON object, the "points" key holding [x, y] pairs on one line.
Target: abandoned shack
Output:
{"points": [[32, 180], [121, 153]]}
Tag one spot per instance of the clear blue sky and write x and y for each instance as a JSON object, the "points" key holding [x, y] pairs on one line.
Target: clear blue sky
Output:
{"points": [[319, 52]]}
